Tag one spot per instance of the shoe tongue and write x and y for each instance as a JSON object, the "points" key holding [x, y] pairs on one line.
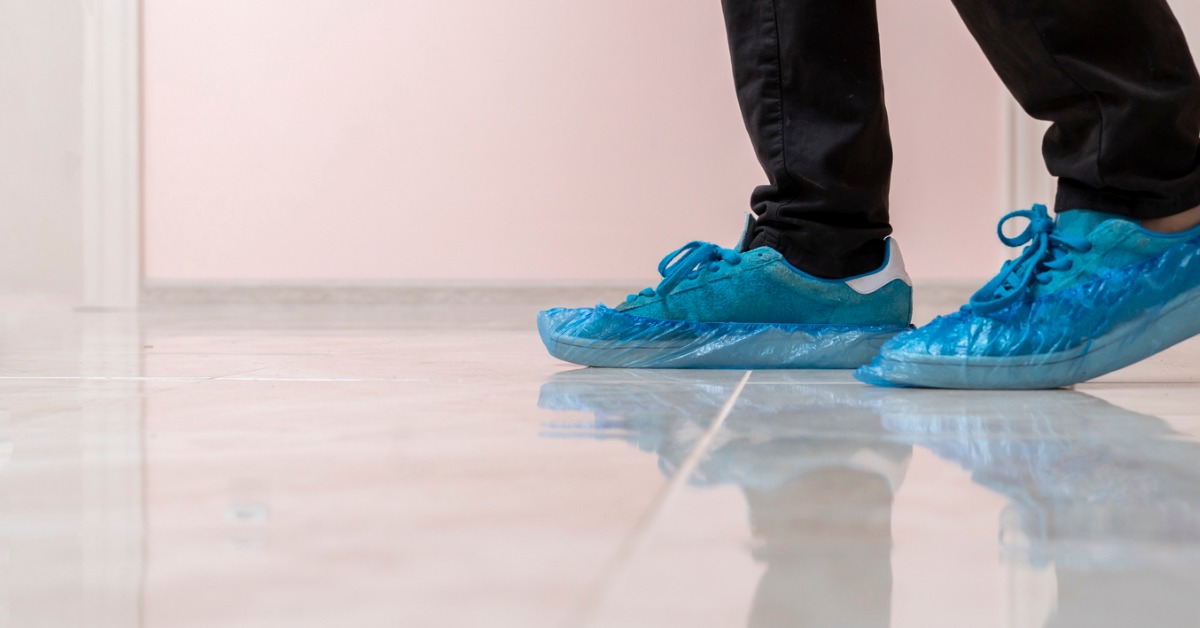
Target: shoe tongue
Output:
{"points": [[747, 230], [1080, 222]]}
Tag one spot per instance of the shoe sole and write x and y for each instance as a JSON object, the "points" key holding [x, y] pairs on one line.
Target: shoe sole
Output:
{"points": [[1151, 332], [638, 342]]}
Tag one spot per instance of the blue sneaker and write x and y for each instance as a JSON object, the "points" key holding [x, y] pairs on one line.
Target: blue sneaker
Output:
{"points": [[727, 308], [1090, 294]]}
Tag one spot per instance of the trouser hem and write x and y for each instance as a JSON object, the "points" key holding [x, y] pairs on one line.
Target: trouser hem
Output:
{"points": [[1075, 195]]}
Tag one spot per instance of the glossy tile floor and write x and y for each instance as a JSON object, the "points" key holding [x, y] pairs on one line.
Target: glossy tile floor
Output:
{"points": [[430, 466]]}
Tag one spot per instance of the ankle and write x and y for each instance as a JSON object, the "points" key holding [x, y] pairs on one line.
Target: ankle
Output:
{"points": [[865, 259], [1174, 224]]}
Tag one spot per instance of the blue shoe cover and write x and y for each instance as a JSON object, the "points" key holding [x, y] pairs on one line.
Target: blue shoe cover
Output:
{"points": [[1117, 316], [604, 337]]}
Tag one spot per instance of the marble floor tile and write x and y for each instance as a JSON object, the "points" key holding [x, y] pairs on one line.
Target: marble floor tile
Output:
{"points": [[431, 466]]}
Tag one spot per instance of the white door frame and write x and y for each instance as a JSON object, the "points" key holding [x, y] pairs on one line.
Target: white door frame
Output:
{"points": [[1028, 180], [112, 164]]}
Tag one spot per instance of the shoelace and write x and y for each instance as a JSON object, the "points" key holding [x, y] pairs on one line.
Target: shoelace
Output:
{"points": [[685, 263], [1037, 263]]}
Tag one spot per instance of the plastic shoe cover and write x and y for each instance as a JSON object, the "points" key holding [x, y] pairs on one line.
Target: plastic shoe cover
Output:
{"points": [[605, 337], [722, 308], [1115, 316]]}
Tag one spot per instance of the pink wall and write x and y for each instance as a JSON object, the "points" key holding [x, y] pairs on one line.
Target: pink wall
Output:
{"points": [[523, 140]]}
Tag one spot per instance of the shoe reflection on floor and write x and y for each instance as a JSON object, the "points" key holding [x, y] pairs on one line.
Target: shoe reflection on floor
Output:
{"points": [[1109, 498]]}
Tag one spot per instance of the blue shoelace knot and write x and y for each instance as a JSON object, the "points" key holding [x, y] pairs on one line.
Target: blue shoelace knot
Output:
{"points": [[1045, 255], [685, 263]]}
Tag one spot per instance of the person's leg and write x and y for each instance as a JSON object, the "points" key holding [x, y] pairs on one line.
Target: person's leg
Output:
{"points": [[1116, 277], [1119, 83], [810, 85], [1174, 223]]}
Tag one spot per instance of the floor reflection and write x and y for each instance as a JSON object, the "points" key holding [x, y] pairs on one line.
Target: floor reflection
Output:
{"points": [[1103, 500], [71, 509]]}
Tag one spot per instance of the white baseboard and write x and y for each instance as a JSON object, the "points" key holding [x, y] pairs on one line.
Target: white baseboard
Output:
{"points": [[499, 294], [362, 293]]}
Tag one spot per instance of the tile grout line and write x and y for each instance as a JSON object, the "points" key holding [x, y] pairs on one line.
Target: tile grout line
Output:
{"points": [[634, 541], [690, 463]]}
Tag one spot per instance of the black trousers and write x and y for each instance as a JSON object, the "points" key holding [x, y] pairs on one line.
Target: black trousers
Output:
{"points": [[1115, 77]]}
